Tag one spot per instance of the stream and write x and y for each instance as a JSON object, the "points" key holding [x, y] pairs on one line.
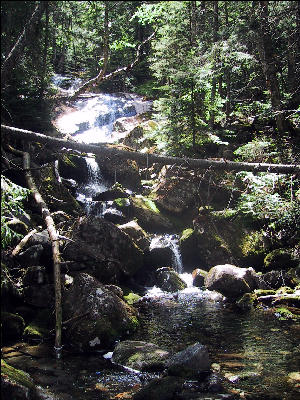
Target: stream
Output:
{"points": [[253, 350]]}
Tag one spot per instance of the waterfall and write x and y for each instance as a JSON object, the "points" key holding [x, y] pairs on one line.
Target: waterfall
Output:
{"points": [[170, 241], [95, 184]]}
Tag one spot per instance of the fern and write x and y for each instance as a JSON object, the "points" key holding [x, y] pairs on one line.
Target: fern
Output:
{"points": [[12, 197]]}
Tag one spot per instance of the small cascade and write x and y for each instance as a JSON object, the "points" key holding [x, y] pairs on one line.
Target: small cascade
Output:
{"points": [[170, 241], [95, 184]]}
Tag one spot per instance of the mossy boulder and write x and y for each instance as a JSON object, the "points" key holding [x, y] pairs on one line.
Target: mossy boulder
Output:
{"points": [[253, 250], [12, 327], [247, 301], [140, 355], [148, 215], [39, 327], [16, 384], [73, 167], [137, 234], [198, 276], [126, 172], [55, 194], [169, 280], [105, 317], [202, 249], [279, 259]]}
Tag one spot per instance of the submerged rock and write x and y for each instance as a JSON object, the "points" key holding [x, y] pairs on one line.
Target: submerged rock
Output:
{"points": [[140, 355], [103, 316], [165, 388], [231, 281], [189, 362]]}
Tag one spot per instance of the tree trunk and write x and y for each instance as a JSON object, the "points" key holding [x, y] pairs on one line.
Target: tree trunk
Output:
{"points": [[17, 50], [214, 79], [55, 251], [46, 45], [114, 151], [268, 60]]}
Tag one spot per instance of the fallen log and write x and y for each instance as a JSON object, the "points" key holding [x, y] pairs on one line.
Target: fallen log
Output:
{"points": [[111, 151], [55, 251]]}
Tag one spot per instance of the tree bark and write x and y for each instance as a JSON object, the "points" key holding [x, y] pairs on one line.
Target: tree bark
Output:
{"points": [[11, 59], [114, 151], [55, 252], [268, 60]]}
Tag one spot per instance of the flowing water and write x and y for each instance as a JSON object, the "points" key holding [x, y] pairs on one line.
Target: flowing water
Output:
{"points": [[253, 350]]}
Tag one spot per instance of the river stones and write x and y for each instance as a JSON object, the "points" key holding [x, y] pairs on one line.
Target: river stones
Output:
{"points": [[140, 355], [169, 280], [231, 281]]}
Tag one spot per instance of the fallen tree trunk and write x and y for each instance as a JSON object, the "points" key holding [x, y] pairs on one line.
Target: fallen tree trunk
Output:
{"points": [[111, 151], [55, 251]]}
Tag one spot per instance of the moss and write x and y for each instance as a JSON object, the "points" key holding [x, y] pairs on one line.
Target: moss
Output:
{"points": [[279, 259], [132, 298], [35, 332], [247, 301], [146, 204], [186, 234], [284, 314], [264, 292], [16, 375], [252, 248], [285, 290], [121, 202]]}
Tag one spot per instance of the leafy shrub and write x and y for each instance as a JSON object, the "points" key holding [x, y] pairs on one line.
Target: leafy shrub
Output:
{"points": [[258, 150], [12, 197]]}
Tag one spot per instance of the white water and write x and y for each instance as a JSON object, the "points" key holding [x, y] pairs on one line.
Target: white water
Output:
{"points": [[171, 241]]}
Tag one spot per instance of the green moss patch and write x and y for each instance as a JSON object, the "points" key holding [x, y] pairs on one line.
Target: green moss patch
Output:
{"points": [[17, 376]]}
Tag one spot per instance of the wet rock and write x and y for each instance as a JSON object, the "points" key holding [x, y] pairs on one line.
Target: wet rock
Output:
{"points": [[160, 257], [12, 327], [41, 238], [73, 167], [189, 362], [105, 317], [16, 384], [106, 252], [231, 281], [198, 276], [114, 216], [140, 355], [137, 234], [117, 191], [169, 280], [162, 388]]}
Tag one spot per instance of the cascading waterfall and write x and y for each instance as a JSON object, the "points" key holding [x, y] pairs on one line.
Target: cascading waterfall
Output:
{"points": [[171, 241], [95, 184]]}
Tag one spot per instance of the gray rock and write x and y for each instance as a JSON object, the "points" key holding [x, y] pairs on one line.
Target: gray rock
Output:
{"points": [[169, 280], [190, 361]]}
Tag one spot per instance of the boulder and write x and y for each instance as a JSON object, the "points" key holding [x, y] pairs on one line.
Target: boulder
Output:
{"points": [[165, 388], [73, 167], [189, 362], [275, 279], [177, 189], [103, 249], [105, 317], [35, 275], [198, 276], [12, 326], [137, 234], [279, 259], [149, 217], [39, 295], [140, 355], [231, 281], [114, 216], [115, 192], [202, 249], [32, 255], [169, 280]]}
